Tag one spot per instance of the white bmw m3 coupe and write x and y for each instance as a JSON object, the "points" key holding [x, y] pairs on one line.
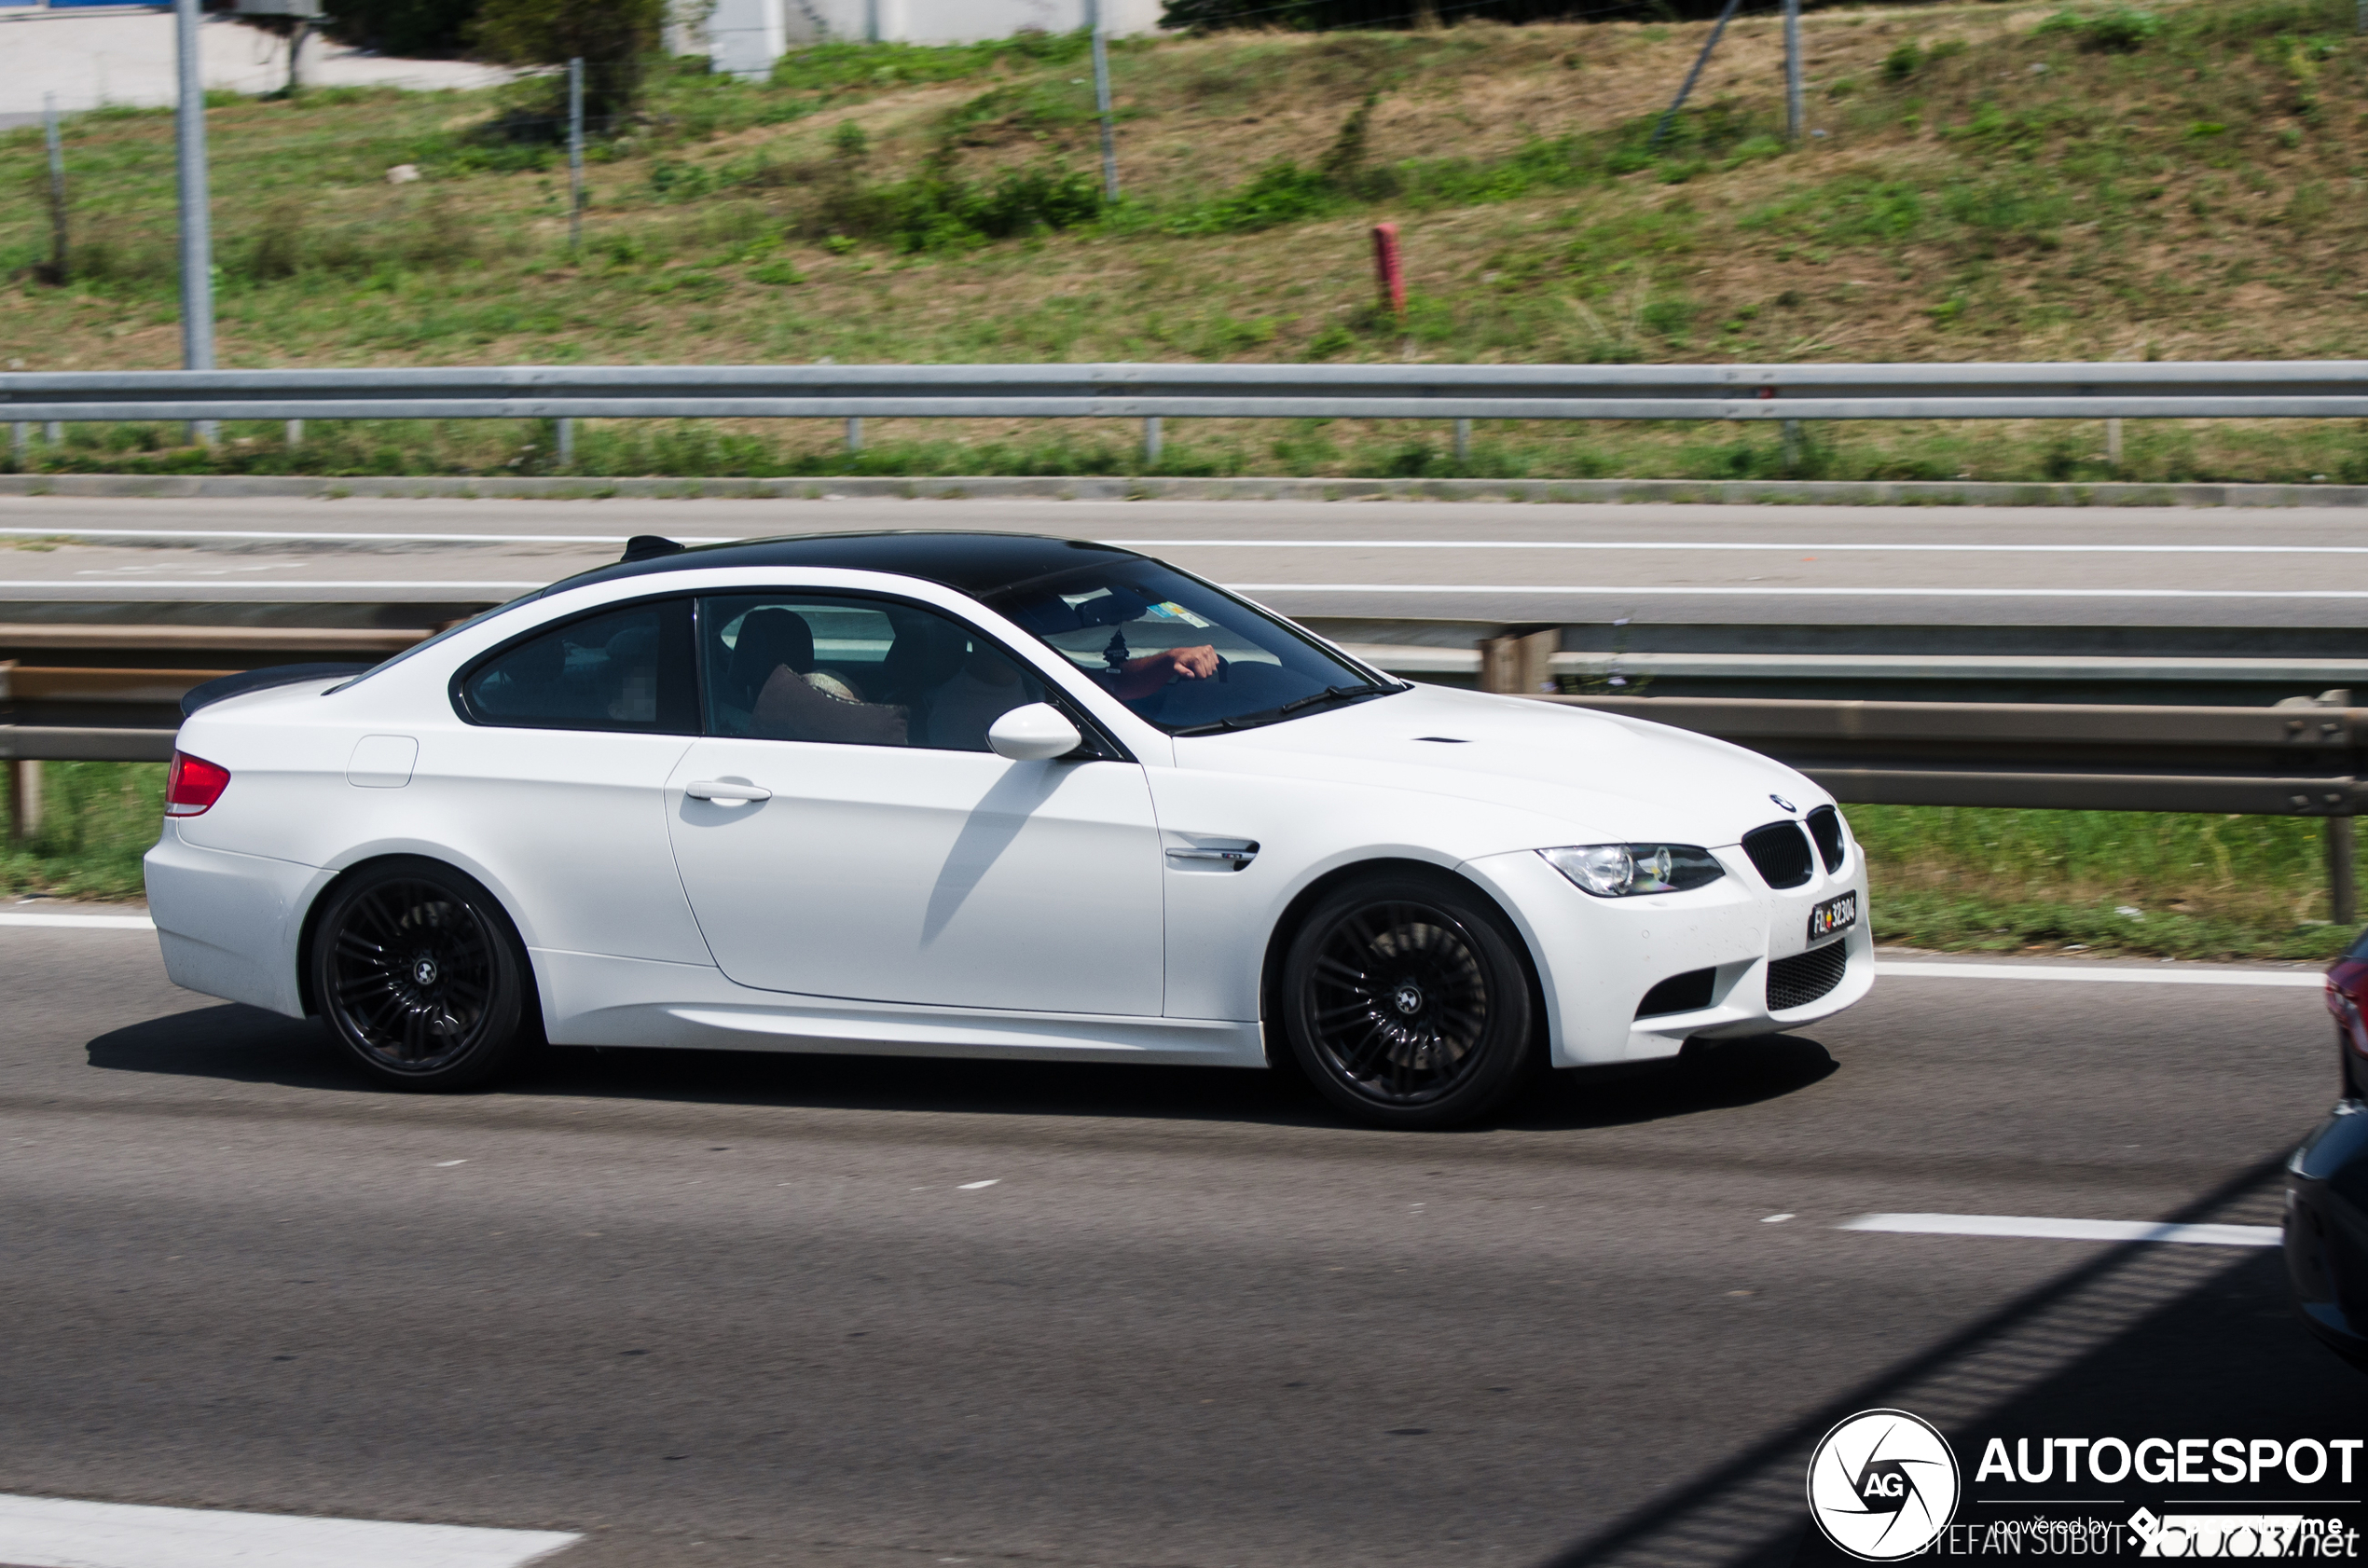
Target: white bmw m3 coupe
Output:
{"points": [[948, 794]]}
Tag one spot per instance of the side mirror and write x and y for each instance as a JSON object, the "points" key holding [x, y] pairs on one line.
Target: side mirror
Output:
{"points": [[1033, 734]]}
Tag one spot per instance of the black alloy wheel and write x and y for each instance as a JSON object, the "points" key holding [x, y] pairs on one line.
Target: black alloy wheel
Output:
{"points": [[420, 976], [1407, 1001]]}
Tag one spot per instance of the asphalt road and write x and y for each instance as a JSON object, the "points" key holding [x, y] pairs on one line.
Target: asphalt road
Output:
{"points": [[734, 1310], [1791, 565]]}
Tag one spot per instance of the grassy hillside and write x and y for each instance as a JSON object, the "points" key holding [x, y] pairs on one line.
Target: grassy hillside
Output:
{"points": [[1984, 182]]}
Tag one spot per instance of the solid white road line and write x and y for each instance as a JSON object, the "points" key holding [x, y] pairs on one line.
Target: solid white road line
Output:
{"points": [[244, 587], [285, 536], [2065, 1229], [1727, 546], [1733, 592], [93, 922], [304, 537], [60, 1532], [1901, 968], [142, 587]]}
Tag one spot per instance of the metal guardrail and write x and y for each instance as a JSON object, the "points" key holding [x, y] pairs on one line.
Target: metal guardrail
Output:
{"points": [[1939, 670], [2303, 389], [86, 691], [2296, 759], [2291, 760], [81, 743], [2283, 762], [236, 647], [112, 694]]}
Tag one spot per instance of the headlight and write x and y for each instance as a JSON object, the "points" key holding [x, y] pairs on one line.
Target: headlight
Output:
{"points": [[1613, 870]]}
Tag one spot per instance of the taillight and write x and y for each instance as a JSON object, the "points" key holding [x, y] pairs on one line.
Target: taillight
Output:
{"points": [[2348, 1018], [193, 784]]}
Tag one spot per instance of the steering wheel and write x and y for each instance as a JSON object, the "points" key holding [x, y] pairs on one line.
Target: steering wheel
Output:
{"points": [[1224, 671]]}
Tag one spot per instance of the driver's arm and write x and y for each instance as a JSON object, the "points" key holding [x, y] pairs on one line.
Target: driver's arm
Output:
{"points": [[1140, 678]]}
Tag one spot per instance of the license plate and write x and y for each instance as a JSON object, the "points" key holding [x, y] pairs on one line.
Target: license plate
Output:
{"points": [[1834, 914]]}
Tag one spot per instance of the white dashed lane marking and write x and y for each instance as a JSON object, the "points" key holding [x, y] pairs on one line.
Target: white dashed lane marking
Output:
{"points": [[1900, 968], [2065, 1229]]}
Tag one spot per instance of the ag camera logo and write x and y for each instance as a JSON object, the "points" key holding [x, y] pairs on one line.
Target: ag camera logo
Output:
{"points": [[1882, 1485]]}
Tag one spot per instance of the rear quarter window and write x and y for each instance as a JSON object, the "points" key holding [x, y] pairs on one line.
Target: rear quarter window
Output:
{"points": [[625, 669]]}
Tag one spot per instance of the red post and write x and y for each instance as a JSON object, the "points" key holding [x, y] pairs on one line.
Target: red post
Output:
{"points": [[1389, 267]]}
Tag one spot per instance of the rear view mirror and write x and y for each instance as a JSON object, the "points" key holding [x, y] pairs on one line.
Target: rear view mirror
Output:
{"points": [[1033, 734], [1114, 608], [1052, 615]]}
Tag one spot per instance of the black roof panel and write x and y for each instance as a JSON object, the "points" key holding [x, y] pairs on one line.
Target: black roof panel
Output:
{"points": [[976, 564]]}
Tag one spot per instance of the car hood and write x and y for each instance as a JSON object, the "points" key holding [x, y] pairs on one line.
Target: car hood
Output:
{"points": [[1606, 773]]}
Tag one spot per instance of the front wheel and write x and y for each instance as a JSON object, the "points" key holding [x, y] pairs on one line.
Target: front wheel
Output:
{"points": [[1407, 1002], [420, 977]]}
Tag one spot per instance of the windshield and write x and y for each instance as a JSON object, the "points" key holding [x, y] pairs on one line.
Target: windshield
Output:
{"points": [[1182, 654]]}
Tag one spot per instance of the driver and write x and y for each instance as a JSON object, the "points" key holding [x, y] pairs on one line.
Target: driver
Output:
{"points": [[1140, 678]]}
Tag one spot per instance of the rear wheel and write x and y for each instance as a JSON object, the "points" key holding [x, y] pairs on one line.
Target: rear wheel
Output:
{"points": [[1407, 1002], [420, 978]]}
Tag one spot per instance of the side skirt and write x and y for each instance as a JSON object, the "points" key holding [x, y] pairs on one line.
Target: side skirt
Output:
{"points": [[591, 1000]]}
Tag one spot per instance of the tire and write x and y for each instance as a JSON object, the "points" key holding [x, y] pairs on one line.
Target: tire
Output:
{"points": [[420, 978], [1407, 1001]]}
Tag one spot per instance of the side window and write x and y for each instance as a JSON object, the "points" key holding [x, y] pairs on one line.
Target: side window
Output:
{"points": [[858, 671], [622, 669]]}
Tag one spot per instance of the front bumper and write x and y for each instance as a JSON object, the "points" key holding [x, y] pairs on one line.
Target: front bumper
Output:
{"points": [[1597, 958]]}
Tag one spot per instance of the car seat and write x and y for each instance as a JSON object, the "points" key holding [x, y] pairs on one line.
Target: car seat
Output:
{"points": [[927, 653], [769, 638]]}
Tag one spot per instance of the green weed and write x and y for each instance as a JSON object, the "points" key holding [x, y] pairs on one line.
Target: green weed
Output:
{"points": [[98, 819], [844, 66], [2155, 883], [2122, 29]]}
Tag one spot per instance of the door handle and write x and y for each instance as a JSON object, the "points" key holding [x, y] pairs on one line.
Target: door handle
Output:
{"points": [[717, 790]]}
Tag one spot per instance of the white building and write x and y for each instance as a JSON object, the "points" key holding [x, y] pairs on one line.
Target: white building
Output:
{"points": [[746, 37], [87, 57]]}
